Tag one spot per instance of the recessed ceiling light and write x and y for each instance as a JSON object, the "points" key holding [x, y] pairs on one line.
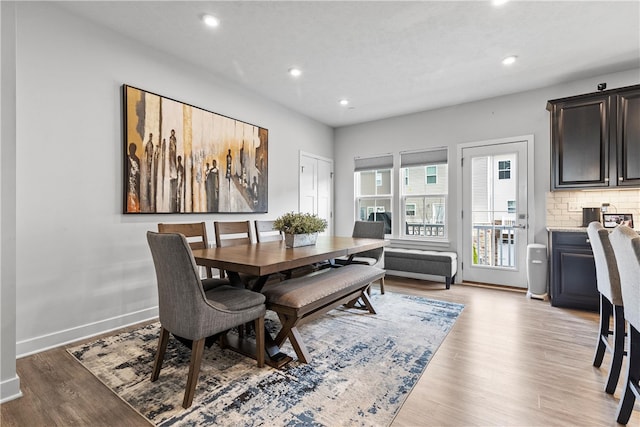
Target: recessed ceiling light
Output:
{"points": [[295, 72], [210, 20], [499, 2], [344, 102], [509, 60]]}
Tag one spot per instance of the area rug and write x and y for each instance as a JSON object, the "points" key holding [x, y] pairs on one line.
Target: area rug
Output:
{"points": [[362, 369]]}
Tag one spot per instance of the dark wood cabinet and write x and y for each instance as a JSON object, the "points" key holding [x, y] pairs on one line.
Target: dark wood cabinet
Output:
{"points": [[628, 138], [595, 140], [573, 271]]}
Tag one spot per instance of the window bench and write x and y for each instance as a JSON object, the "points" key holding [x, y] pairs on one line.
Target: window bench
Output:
{"points": [[400, 261]]}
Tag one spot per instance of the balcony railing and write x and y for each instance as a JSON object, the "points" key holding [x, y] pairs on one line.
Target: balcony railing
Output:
{"points": [[494, 245], [421, 229]]}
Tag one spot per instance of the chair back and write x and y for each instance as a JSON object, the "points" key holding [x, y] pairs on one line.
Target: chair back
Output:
{"points": [[181, 299], [266, 233], [370, 230], [607, 275], [232, 233], [626, 246], [195, 232]]}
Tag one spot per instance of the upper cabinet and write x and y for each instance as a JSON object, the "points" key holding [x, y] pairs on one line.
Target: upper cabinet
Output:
{"points": [[595, 140], [628, 137]]}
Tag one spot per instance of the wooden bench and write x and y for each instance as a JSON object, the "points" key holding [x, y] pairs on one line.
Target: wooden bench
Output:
{"points": [[416, 262], [299, 300]]}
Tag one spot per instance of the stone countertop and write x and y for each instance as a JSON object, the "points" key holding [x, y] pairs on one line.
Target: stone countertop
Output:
{"points": [[574, 229], [568, 229]]}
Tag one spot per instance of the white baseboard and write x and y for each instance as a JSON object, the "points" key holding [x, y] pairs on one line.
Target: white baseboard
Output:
{"points": [[10, 389], [56, 339]]}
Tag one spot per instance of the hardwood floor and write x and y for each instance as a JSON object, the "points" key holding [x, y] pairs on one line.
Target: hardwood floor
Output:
{"points": [[508, 360]]}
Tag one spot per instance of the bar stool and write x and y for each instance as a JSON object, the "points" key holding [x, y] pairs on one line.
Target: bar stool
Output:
{"points": [[608, 281], [626, 246]]}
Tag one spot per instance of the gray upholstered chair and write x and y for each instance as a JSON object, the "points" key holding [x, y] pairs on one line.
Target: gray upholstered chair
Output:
{"points": [[196, 234], [371, 230], [626, 246], [189, 312], [610, 303]]}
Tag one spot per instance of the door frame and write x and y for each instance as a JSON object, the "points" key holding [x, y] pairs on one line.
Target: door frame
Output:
{"points": [[302, 154], [529, 140]]}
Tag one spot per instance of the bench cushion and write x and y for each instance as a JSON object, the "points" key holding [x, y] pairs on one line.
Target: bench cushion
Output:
{"points": [[305, 290], [420, 261]]}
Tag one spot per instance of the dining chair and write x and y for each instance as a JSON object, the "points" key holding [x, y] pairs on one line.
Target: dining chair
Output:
{"points": [[187, 311], [374, 257], [266, 233], [608, 282], [196, 234], [626, 246], [233, 233]]}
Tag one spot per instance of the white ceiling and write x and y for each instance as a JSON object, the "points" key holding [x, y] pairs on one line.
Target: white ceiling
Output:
{"points": [[387, 57]]}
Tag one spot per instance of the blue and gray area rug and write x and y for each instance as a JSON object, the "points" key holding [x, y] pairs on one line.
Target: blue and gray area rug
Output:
{"points": [[363, 367]]}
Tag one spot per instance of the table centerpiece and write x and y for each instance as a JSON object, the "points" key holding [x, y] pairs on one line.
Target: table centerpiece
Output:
{"points": [[300, 229]]}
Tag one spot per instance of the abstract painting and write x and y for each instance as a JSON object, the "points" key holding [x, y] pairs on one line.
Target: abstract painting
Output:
{"points": [[182, 159]]}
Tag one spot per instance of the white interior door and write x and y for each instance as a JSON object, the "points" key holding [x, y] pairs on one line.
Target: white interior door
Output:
{"points": [[316, 187], [495, 213]]}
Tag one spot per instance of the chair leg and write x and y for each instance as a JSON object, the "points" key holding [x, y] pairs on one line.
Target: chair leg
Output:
{"points": [[632, 383], [194, 369], [260, 349], [605, 313], [382, 286], [162, 348], [618, 349]]}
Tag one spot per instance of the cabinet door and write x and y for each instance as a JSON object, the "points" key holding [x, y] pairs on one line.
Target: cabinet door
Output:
{"points": [[574, 279], [580, 135], [628, 138]]}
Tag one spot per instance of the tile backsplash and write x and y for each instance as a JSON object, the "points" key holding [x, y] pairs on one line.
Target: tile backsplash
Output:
{"points": [[564, 208]]}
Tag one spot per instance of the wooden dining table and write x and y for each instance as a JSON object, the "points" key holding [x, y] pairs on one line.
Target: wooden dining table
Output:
{"points": [[264, 259]]}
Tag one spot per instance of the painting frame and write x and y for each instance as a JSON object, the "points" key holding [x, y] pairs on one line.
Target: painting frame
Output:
{"points": [[181, 159]]}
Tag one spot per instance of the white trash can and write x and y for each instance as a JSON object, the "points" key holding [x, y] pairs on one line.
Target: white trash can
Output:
{"points": [[537, 271]]}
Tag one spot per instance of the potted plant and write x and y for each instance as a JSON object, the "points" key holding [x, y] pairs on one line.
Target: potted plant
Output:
{"points": [[300, 229]]}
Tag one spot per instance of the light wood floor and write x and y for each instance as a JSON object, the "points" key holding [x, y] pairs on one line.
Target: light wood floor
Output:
{"points": [[508, 360]]}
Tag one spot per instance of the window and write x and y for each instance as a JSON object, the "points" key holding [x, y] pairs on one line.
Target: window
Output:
{"points": [[374, 189], [511, 206], [424, 193], [431, 174], [504, 169]]}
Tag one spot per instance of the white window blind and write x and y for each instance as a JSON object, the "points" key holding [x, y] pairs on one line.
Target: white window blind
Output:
{"points": [[373, 163], [426, 157]]}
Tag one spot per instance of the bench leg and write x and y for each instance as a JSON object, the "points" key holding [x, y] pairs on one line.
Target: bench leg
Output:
{"points": [[364, 297], [290, 330], [447, 281]]}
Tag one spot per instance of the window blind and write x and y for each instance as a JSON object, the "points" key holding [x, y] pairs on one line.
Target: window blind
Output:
{"points": [[372, 163], [421, 158]]}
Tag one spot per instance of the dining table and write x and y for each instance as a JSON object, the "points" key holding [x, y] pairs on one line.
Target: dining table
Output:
{"points": [[262, 260]]}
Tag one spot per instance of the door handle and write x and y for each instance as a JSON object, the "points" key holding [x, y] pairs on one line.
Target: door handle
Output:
{"points": [[522, 226]]}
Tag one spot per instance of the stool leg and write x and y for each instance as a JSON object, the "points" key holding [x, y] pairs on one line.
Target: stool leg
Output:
{"points": [[632, 387], [603, 333], [618, 349]]}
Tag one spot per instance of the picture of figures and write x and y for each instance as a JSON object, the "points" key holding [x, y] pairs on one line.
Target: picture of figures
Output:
{"points": [[183, 159]]}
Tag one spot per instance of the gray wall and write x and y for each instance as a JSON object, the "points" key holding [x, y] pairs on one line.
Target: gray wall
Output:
{"points": [[83, 267], [9, 381], [506, 116]]}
